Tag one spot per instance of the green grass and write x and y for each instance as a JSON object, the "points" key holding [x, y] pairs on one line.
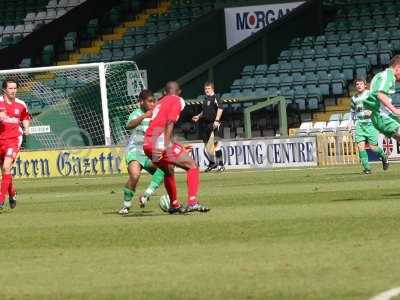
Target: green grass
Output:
{"points": [[284, 234]]}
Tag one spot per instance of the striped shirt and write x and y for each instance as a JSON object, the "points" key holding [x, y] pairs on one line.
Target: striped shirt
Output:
{"points": [[383, 82], [135, 142], [357, 111]]}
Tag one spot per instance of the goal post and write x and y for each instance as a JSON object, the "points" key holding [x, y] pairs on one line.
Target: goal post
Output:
{"points": [[78, 105]]}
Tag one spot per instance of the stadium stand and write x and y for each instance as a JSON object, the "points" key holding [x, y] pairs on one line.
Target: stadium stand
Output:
{"points": [[130, 35], [19, 18], [314, 72]]}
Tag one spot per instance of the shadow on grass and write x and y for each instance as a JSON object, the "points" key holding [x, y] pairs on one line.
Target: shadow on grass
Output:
{"points": [[348, 199], [345, 174], [133, 214], [384, 197], [394, 195]]}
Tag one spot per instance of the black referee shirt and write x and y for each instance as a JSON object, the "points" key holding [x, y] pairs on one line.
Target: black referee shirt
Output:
{"points": [[210, 107]]}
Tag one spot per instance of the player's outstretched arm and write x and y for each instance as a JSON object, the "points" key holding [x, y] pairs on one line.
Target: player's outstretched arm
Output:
{"points": [[385, 100], [136, 122]]}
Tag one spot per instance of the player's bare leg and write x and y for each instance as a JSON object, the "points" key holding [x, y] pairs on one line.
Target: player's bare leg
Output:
{"points": [[134, 170], [186, 162], [6, 182]]}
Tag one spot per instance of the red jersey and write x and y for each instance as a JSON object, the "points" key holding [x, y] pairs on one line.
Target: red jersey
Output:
{"points": [[16, 112], [167, 109]]}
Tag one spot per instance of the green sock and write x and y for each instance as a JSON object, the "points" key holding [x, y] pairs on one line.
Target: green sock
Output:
{"points": [[156, 180], [380, 153], [128, 195], [364, 159]]}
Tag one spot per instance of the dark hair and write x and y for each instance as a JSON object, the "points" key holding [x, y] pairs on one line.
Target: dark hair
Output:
{"points": [[144, 94], [209, 83], [395, 60], [360, 79], [172, 88], [8, 80]]}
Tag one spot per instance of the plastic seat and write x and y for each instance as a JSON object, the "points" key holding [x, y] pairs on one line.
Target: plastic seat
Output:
{"points": [[286, 81], [298, 67], [248, 71], [285, 67], [285, 55], [321, 53], [273, 69]]}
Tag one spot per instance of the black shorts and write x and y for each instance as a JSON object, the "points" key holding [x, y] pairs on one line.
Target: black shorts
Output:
{"points": [[207, 128]]}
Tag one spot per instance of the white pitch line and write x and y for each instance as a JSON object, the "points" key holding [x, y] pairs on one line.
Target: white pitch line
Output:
{"points": [[387, 295]]}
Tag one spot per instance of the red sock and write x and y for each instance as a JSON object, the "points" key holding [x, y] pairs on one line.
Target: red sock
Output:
{"points": [[170, 186], [11, 188], [193, 181], [5, 183]]}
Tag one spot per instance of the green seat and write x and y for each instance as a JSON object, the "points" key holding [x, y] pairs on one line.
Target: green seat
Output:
{"points": [[285, 67], [310, 66], [320, 53], [105, 55], [285, 55], [335, 63], [286, 81], [308, 41], [320, 40], [129, 53], [92, 28], [298, 66], [308, 53], [332, 39], [261, 84], [247, 85], [26, 63], [348, 68], [248, 71], [236, 85], [118, 44], [296, 54], [48, 55], [70, 41], [262, 70], [129, 42]]}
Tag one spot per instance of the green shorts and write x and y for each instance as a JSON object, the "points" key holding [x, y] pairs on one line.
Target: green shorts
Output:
{"points": [[387, 125], [143, 160], [366, 132]]}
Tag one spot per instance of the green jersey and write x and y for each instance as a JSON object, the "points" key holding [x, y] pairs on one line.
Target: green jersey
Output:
{"points": [[383, 82], [358, 112], [136, 139]]}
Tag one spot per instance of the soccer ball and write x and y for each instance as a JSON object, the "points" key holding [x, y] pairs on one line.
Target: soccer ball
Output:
{"points": [[164, 203]]}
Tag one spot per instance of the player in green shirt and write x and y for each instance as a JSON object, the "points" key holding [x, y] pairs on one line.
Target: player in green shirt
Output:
{"points": [[365, 131], [135, 158], [385, 116]]}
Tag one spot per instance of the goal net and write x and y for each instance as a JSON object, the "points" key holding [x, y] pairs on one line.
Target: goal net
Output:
{"points": [[78, 105]]}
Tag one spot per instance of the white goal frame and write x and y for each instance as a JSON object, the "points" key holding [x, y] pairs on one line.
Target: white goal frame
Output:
{"points": [[101, 68]]}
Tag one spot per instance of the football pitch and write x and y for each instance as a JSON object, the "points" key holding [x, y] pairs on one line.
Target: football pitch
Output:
{"points": [[321, 233]]}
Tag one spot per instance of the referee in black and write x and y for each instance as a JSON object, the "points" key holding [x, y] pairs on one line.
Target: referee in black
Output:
{"points": [[210, 120]]}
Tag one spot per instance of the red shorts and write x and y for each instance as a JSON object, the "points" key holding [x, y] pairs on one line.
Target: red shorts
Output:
{"points": [[168, 156], [10, 148]]}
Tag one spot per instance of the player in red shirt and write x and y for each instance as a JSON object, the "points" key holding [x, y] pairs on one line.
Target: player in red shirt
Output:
{"points": [[13, 112], [165, 153]]}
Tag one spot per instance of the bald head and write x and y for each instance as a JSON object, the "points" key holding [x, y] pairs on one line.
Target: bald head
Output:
{"points": [[172, 88]]}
